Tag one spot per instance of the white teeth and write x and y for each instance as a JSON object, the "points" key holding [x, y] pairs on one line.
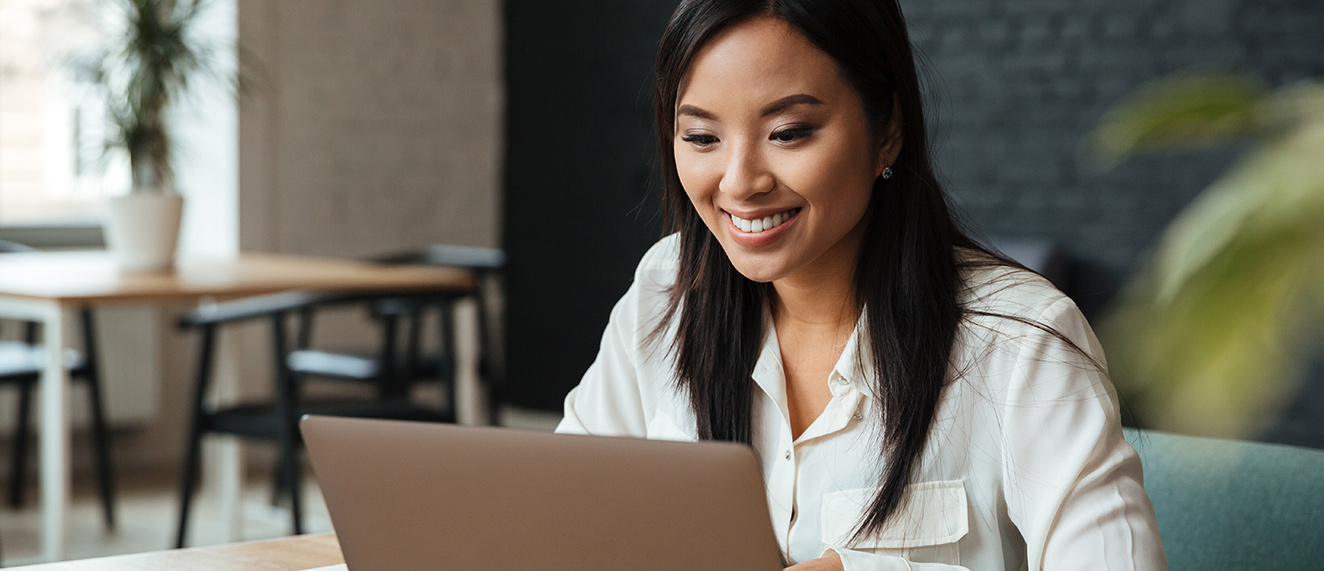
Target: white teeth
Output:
{"points": [[765, 223]]}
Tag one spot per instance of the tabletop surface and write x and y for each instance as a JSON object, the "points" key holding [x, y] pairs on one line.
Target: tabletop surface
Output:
{"points": [[94, 277], [286, 554]]}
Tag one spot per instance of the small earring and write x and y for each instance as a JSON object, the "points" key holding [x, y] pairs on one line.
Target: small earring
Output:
{"points": [[887, 172]]}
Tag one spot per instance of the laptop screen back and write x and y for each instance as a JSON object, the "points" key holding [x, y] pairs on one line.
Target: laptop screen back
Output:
{"points": [[429, 496]]}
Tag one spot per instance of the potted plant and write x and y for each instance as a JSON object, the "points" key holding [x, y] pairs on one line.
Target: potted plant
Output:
{"points": [[144, 70], [1214, 334]]}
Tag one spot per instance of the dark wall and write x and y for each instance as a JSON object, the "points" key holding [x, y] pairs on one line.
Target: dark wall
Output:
{"points": [[1020, 83], [1017, 85], [580, 206]]}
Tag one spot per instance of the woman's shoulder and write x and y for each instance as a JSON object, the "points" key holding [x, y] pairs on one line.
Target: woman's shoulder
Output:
{"points": [[1010, 309], [649, 294], [658, 266], [991, 286], [663, 255]]}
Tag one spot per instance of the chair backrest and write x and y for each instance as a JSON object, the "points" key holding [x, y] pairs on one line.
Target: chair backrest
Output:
{"points": [[7, 247], [1225, 504], [474, 258]]}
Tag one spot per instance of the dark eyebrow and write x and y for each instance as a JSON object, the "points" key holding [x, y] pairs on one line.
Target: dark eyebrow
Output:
{"points": [[696, 112], [771, 109], [788, 102]]}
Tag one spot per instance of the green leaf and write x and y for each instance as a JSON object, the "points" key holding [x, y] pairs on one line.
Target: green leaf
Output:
{"points": [[1213, 335], [1184, 111]]}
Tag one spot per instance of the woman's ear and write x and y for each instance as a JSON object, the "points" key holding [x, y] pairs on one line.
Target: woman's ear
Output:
{"points": [[893, 137]]}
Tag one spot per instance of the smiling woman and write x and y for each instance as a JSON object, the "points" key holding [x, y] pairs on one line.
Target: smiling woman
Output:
{"points": [[917, 401]]}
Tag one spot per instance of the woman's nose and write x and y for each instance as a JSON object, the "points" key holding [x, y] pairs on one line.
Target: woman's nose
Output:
{"points": [[746, 174]]}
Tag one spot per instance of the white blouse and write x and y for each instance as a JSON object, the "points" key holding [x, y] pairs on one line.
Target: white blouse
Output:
{"points": [[1024, 468]]}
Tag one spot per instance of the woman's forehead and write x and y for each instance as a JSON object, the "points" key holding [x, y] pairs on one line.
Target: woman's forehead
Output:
{"points": [[756, 62]]}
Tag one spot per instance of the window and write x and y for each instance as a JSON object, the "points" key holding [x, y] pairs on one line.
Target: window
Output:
{"points": [[52, 126]]}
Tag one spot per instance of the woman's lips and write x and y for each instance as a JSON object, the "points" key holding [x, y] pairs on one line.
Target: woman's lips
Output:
{"points": [[780, 222]]}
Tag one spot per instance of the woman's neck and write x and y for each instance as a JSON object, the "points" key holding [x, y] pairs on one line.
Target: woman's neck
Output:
{"points": [[820, 296], [821, 306]]}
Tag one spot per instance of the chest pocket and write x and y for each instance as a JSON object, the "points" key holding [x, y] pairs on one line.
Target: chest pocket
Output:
{"points": [[925, 530], [662, 427]]}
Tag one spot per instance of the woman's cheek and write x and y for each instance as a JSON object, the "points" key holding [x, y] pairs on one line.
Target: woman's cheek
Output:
{"points": [[699, 184], [702, 202]]}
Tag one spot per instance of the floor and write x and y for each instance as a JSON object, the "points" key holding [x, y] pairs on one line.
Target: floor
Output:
{"points": [[147, 510]]}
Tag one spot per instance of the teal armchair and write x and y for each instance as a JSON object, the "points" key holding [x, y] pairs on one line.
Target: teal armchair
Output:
{"points": [[1224, 504]]}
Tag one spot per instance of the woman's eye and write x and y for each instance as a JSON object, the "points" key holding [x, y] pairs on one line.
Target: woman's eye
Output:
{"points": [[700, 140], [791, 134]]}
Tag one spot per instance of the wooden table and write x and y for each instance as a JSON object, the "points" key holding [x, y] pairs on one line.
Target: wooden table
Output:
{"points": [[288, 554], [50, 287]]}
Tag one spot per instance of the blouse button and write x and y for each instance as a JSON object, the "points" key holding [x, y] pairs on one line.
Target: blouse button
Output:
{"points": [[858, 415], [788, 454], [842, 381]]}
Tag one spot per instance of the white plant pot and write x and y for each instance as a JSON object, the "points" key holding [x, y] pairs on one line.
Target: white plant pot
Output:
{"points": [[143, 229]]}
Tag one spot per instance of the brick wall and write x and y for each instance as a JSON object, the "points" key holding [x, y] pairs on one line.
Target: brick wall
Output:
{"points": [[1020, 83]]}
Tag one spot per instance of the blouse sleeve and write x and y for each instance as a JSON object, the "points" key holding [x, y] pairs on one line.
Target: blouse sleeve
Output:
{"points": [[1072, 485]]}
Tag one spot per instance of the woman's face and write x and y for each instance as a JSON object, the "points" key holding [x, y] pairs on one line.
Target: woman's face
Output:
{"points": [[774, 150]]}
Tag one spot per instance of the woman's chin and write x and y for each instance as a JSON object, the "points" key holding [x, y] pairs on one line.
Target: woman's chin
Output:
{"points": [[761, 271]]}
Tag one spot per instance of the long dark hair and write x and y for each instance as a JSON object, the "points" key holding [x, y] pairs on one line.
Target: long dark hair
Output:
{"points": [[907, 275]]}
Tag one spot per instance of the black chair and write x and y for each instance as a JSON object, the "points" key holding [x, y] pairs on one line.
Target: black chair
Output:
{"points": [[276, 421], [392, 378], [385, 370], [487, 265], [21, 364]]}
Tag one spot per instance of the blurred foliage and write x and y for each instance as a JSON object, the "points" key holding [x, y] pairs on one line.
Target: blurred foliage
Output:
{"points": [[1214, 334], [144, 70]]}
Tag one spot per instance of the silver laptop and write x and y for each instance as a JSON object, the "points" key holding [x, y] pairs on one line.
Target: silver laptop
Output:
{"points": [[405, 495]]}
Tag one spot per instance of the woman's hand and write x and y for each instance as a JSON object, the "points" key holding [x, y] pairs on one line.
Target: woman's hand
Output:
{"points": [[830, 561]]}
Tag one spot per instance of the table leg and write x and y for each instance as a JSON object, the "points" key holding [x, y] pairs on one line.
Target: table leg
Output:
{"points": [[54, 435], [470, 402], [225, 465], [226, 470]]}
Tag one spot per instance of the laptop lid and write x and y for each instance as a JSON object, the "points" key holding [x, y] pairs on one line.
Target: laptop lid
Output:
{"points": [[406, 495]]}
